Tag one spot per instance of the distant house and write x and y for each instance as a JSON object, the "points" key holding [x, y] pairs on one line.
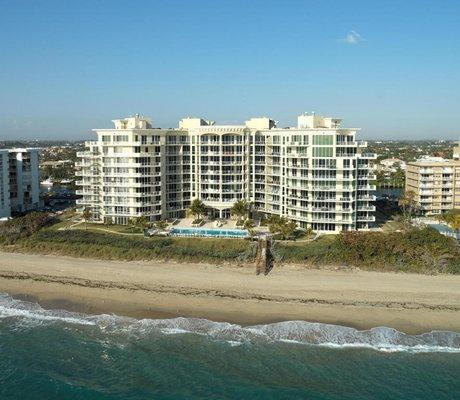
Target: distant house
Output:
{"points": [[55, 164], [456, 155], [393, 163]]}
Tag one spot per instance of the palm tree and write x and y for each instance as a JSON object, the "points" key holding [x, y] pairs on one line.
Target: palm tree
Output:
{"points": [[273, 221], [161, 224], [289, 229], [455, 223], [240, 209], [249, 226], [408, 205], [282, 227], [132, 224], [452, 218], [87, 214], [197, 208], [143, 223]]}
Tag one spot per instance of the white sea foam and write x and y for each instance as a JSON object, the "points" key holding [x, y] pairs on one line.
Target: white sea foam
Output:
{"points": [[26, 315], [32, 312]]}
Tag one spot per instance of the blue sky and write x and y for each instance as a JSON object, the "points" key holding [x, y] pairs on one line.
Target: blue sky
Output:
{"points": [[389, 67]]}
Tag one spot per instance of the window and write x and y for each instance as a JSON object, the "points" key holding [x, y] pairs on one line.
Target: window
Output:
{"points": [[323, 140], [323, 152]]}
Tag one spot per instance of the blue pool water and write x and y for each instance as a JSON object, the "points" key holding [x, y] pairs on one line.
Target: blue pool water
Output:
{"points": [[209, 232], [444, 229]]}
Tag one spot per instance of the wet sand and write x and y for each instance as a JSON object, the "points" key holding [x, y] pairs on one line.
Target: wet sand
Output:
{"points": [[407, 302]]}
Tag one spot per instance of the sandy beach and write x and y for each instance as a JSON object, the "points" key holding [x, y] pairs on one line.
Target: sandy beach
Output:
{"points": [[407, 302]]}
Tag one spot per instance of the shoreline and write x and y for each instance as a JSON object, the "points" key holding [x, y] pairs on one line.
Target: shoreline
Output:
{"points": [[407, 302]]}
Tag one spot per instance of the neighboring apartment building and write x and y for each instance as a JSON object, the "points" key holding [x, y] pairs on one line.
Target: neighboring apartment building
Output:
{"points": [[19, 181], [316, 174], [5, 208], [435, 183]]}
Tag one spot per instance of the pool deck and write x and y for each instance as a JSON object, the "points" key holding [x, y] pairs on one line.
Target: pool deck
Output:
{"points": [[187, 223], [440, 226], [210, 232]]}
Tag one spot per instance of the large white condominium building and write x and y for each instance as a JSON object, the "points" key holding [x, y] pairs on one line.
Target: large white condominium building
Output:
{"points": [[316, 174], [19, 181]]}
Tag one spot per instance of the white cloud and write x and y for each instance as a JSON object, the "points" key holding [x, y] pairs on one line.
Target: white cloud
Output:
{"points": [[352, 37]]}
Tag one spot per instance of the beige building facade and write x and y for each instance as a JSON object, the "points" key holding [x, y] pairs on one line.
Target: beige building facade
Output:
{"points": [[435, 183], [316, 174]]}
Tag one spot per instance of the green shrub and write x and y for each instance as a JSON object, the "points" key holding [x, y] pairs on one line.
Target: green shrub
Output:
{"points": [[417, 250], [112, 246], [13, 230]]}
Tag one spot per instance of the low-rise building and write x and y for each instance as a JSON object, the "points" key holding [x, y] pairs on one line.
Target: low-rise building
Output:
{"points": [[55, 164], [435, 183], [316, 174], [19, 181], [393, 163], [456, 152]]}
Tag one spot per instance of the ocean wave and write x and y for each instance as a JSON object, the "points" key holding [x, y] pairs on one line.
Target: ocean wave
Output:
{"points": [[27, 314]]}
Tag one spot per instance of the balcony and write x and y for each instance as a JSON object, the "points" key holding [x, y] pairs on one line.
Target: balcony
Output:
{"points": [[83, 164], [366, 208], [368, 156], [86, 192], [365, 218], [367, 198], [347, 144], [333, 220], [333, 167], [323, 209], [83, 202], [325, 188], [369, 176], [89, 154], [210, 190]]}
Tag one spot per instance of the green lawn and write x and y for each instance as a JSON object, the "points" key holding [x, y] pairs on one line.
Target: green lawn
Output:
{"points": [[393, 225]]}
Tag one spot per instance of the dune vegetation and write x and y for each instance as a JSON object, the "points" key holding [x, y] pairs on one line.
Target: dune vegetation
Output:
{"points": [[413, 250]]}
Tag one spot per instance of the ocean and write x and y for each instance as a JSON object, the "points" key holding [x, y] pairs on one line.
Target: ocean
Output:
{"points": [[56, 354]]}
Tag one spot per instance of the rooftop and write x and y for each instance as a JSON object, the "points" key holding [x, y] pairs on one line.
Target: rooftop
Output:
{"points": [[434, 162], [304, 122]]}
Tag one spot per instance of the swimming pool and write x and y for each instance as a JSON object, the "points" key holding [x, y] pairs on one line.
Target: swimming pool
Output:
{"points": [[229, 233], [444, 230]]}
